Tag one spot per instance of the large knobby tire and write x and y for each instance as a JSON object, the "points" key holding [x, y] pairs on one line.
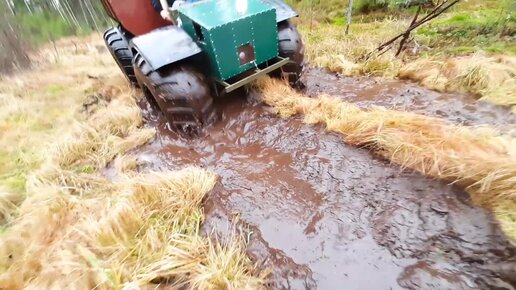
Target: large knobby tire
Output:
{"points": [[180, 91], [291, 45], [118, 46]]}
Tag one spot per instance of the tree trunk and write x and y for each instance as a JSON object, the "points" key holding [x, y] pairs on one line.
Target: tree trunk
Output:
{"points": [[92, 14], [350, 8], [10, 5]]}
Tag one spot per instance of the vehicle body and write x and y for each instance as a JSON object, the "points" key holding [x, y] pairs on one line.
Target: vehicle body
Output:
{"points": [[218, 46]]}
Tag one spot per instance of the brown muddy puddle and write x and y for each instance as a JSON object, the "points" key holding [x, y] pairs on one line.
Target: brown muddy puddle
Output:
{"points": [[406, 96], [325, 215]]}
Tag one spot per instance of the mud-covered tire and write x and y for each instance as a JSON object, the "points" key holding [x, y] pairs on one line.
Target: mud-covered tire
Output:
{"points": [[118, 46], [180, 91], [291, 45]]}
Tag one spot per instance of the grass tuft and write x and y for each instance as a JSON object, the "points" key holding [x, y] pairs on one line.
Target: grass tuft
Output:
{"points": [[491, 77]]}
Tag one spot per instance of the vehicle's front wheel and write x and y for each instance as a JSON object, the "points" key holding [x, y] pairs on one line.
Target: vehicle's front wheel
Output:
{"points": [[291, 45], [180, 91], [118, 46]]}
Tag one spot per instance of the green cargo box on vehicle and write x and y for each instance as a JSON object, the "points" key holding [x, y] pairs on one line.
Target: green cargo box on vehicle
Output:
{"points": [[236, 35]]}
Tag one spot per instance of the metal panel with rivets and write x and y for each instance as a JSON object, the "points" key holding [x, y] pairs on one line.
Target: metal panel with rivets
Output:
{"points": [[236, 35]]}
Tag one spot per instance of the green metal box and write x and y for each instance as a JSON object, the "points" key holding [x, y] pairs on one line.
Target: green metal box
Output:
{"points": [[236, 35]]}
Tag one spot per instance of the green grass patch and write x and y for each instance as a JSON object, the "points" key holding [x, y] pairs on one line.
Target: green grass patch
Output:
{"points": [[55, 89], [15, 166], [16, 183], [462, 32], [502, 47], [87, 168], [42, 27], [489, 22], [470, 26]]}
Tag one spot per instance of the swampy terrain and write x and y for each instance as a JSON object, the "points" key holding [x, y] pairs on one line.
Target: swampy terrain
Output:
{"points": [[325, 215]]}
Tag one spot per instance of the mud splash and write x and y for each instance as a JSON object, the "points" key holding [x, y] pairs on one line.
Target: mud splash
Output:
{"points": [[325, 215]]}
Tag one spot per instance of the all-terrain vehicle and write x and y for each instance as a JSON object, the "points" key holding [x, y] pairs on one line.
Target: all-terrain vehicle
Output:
{"points": [[218, 46]]}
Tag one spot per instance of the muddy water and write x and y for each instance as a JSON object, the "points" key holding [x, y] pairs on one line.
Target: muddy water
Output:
{"points": [[325, 215], [405, 95]]}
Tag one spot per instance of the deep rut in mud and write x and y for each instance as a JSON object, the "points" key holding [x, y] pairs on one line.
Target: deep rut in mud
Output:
{"points": [[325, 215]]}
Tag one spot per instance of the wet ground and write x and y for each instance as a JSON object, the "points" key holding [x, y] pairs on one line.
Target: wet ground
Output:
{"points": [[406, 96], [325, 215]]}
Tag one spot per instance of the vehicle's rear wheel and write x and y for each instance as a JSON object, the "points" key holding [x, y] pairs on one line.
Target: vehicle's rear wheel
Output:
{"points": [[291, 45], [180, 91], [118, 46]]}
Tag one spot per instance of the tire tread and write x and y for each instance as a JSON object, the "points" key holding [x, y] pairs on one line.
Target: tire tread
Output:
{"points": [[119, 49]]}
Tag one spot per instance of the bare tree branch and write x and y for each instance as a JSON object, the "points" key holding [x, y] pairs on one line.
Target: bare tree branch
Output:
{"points": [[438, 10], [407, 34]]}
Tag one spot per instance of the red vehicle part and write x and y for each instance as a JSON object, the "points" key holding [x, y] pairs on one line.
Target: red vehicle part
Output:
{"points": [[135, 16]]}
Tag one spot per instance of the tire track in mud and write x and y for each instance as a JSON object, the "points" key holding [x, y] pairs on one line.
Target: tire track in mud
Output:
{"points": [[324, 215]]}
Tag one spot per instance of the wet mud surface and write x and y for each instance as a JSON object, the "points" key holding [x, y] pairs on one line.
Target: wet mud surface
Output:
{"points": [[325, 215], [406, 96]]}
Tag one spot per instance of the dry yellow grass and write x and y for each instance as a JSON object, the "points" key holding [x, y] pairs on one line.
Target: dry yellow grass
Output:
{"points": [[142, 229], [328, 47], [479, 159], [37, 106], [491, 77], [70, 227]]}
